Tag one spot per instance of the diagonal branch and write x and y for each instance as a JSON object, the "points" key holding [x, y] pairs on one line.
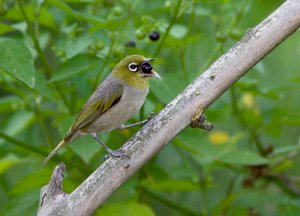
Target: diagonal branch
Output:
{"points": [[177, 115]]}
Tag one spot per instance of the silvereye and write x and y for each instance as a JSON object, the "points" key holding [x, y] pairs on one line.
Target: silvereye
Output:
{"points": [[117, 99]]}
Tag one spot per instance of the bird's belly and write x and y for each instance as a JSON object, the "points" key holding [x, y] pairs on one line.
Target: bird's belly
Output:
{"points": [[130, 103]]}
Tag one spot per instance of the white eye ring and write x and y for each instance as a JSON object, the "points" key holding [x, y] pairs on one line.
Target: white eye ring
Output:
{"points": [[133, 67]]}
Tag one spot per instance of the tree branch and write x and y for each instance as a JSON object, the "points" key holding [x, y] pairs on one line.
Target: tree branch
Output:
{"points": [[177, 115]]}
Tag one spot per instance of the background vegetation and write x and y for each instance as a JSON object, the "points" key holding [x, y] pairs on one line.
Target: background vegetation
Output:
{"points": [[54, 53]]}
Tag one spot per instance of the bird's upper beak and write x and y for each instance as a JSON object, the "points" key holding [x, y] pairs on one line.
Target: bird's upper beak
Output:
{"points": [[153, 73], [149, 59]]}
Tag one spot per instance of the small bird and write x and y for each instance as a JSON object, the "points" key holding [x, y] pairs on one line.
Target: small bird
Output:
{"points": [[116, 99]]}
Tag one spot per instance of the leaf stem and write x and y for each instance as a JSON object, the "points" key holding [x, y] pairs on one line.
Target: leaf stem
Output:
{"points": [[22, 144], [79, 164], [171, 23], [220, 45], [198, 169], [170, 203], [42, 56], [104, 64], [237, 113]]}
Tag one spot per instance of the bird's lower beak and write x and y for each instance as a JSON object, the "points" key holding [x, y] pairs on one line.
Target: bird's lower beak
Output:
{"points": [[155, 74]]}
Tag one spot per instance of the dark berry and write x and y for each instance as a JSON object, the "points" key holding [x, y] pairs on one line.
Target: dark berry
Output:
{"points": [[146, 68], [154, 36], [130, 44]]}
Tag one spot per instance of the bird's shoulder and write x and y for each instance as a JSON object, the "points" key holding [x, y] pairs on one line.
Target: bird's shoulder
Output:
{"points": [[104, 97]]}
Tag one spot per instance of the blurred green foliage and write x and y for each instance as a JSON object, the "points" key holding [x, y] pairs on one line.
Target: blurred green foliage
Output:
{"points": [[54, 53]]}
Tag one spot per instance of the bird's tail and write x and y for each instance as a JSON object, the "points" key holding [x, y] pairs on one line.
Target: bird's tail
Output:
{"points": [[53, 152]]}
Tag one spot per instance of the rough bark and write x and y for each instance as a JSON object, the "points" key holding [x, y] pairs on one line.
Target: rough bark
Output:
{"points": [[178, 114]]}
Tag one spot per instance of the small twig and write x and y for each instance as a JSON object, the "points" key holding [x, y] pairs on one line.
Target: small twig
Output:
{"points": [[41, 55], [171, 23], [169, 203], [52, 193], [201, 122], [254, 137], [285, 183]]}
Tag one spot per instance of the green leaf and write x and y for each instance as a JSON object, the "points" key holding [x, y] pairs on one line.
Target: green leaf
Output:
{"points": [[7, 162], [172, 185], [45, 17], [203, 11], [16, 59], [32, 181], [225, 204], [5, 28], [125, 209], [42, 87], [243, 158], [18, 122], [295, 79], [24, 204], [76, 65], [78, 45], [178, 31], [8, 103], [65, 7], [286, 149]]}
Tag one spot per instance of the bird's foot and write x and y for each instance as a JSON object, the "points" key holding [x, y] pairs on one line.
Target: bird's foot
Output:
{"points": [[151, 116], [115, 153]]}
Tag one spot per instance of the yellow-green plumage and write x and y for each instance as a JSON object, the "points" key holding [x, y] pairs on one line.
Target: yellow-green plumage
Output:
{"points": [[132, 79], [116, 100]]}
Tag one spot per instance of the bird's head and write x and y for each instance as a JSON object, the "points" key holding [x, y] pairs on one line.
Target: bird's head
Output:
{"points": [[134, 70]]}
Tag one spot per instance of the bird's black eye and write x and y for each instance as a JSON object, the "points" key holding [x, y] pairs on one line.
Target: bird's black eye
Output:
{"points": [[133, 67], [146, 68]]}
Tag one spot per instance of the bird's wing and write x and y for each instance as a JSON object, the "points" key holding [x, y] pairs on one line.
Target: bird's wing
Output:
{"points": [[99, 103]]}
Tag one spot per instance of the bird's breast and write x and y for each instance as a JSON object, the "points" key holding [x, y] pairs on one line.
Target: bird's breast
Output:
{"points": [[130, 103]]}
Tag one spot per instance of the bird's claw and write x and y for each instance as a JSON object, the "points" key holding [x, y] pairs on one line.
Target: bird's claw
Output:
{"points": [[151, 116], [115, 153]]}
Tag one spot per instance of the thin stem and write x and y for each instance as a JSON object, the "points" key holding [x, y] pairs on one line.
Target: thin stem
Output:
{"points": [[169, 203], [198, 169], [79, 164], [232, 25], [182, 62], [42, 124], [34, 39], [211, 58], [192, 18], [104, 63], [22, 144], [285, 185], [229, 192], [42, 56], [237, 113], [171, 23]]}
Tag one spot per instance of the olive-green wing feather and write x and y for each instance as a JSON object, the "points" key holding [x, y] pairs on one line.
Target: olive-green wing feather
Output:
{"points": [[106, 95], [97, 105]]}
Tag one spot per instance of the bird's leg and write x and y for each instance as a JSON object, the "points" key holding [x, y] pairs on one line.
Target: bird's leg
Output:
{"points": [[114, 153], [133, 125], [149, 117]]}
